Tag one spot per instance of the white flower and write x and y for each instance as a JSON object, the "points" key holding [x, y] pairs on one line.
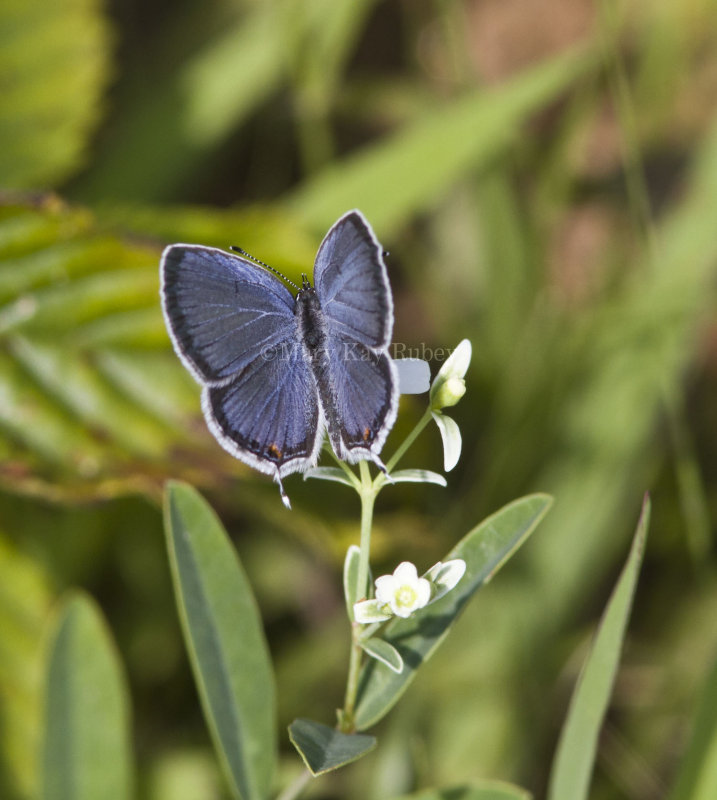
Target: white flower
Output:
{"points": [[403, 592]]}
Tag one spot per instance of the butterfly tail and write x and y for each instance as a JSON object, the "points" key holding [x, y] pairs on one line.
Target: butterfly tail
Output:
{"points": [[284, 496]]}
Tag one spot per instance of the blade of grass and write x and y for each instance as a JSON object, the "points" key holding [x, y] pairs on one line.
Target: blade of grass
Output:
{"points": [[575, 756]]}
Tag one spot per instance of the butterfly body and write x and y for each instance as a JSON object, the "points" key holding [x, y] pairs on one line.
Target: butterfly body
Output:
{"points": [[278, 370]]}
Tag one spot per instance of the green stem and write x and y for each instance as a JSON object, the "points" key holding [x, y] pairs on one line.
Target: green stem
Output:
{"points": [[296, 787], [407, 442], [367, 493]]}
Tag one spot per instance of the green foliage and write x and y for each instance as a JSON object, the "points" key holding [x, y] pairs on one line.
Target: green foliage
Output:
{"points": [[84, 352], [384, 181], [324, 749], [224, 636], [489, 790], [697, 776], [550, 198], [86, 749], [24, 603], [55, 63], [484, 549], [575, 756]]}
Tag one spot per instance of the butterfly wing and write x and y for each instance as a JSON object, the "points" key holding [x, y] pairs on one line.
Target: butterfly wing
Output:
{"points": [[221, 311], [352, 283], [268, 415], [363, 400], [359, 390], [233, 325]]}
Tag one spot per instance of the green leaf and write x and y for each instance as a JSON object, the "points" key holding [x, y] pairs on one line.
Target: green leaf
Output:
{"points": [[351, 571], [384, 652], [25, 600], [418, 476], [323, 748], [697, 776], [408, 172], [225, 640], [54, 59], [329, 474], [86, 751], [451, 437], [484, 790], [577, 747], [484, 549]]}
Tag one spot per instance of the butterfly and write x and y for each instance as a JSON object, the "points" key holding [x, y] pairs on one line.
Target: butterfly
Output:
{"points": [[278, 370]]}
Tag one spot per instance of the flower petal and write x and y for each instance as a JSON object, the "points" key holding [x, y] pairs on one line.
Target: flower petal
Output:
{"points": [[385, 588], [423, 592], [405, 572]]}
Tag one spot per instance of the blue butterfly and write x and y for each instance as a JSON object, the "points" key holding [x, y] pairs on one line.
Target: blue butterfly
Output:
{"points": [[278, 370]]}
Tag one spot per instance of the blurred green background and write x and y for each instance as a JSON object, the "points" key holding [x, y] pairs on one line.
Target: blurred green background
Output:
{"points": [[544, 175]]}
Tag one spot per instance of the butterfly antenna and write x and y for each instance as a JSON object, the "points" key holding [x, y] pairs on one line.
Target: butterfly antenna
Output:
{"points": [[263, 264]]}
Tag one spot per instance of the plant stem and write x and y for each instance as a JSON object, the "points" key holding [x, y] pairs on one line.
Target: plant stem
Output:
{"points": [[407, 442], [367, 493], [296, 787]]}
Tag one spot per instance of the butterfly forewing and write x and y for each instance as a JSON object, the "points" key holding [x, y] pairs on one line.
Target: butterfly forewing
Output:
{"points": [[221, 310], [352, 284]]}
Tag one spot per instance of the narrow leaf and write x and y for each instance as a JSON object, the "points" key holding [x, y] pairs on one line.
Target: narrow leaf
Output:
{"points": [[86, 749], [451, 436], [323, 748], [351, 570], [384, 652], [697, 776], [407, 172], [575, 756], [418, 476], [225, 640], [484, 549]]}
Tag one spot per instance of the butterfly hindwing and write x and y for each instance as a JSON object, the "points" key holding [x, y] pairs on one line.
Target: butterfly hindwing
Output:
{"points": [[221, 310], [268, 415], [365, 397]]}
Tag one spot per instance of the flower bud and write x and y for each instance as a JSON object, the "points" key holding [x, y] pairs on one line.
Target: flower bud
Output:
{"points": [[449, 384], [448, 393]]}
